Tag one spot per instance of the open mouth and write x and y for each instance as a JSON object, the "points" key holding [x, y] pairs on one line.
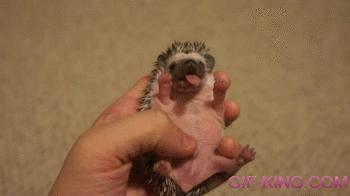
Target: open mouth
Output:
{"points": [[193, 79], [187, 76], [190, 83]]}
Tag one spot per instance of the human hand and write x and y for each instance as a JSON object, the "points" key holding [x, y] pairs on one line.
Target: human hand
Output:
{"points": [[101, 160]]}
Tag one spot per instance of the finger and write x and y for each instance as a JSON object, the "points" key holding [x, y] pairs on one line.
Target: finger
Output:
{"points": [[130, 97], [229, 147], [138, 88], [232, 112], [139, 133], [125, 105]]}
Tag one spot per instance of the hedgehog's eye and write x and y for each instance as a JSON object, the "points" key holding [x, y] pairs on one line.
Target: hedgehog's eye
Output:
{"points": [[171, 66]]}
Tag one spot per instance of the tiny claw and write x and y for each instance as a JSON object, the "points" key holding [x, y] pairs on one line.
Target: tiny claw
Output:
{"points": [[165, 77], [222, 82], [247, 154]]}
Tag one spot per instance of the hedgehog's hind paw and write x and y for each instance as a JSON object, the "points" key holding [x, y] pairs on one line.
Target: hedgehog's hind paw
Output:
{"points": [[247, 155], [162, 167]]}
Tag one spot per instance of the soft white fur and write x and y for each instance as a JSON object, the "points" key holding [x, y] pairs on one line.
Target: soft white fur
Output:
{"points": [[180, 56]]}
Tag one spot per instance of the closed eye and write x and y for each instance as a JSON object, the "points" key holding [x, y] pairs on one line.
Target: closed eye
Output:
{"points": [[172, 66]]}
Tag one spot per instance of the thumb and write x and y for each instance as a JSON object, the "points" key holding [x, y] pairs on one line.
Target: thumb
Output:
{"points": [[148, 131]]}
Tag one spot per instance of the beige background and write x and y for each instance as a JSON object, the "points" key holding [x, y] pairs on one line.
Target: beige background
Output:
{"points": [[63, 62]]}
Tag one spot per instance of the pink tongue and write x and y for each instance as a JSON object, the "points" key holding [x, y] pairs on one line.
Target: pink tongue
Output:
{"points": [[193, 79]]}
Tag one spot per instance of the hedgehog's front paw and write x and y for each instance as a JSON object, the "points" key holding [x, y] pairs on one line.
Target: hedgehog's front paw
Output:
{"points": [[165, 78], [222, 82], [162, 167], [165, 83]]}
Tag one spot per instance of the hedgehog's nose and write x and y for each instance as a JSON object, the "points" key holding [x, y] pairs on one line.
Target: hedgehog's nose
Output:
{"points": [[191, 66]]}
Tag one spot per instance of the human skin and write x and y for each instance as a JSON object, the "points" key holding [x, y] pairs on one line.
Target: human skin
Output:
{"points": [[101, 160]]}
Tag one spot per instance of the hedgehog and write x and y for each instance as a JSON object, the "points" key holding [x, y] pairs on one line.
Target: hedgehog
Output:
{"points": [[182, 85]]}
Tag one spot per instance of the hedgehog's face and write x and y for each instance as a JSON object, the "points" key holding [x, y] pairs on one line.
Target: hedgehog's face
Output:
{"points": [[189, 70]]}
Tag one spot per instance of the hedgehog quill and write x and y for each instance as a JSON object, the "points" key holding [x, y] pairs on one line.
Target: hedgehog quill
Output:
{"points": [[182, 85]]}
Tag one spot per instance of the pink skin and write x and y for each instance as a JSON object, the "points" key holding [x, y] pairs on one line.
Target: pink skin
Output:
{"points": [[204, 122], [101, 160], [165, 83]]}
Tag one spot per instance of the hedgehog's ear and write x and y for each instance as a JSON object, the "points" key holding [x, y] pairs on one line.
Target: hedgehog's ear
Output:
{"points": [[161, 60], [210, 60]]}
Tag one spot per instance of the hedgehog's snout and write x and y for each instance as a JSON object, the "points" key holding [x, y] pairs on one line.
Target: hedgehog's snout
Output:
{"points": [[192, 67], [187, 67]]}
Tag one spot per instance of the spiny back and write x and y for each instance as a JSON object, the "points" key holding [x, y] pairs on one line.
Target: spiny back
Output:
{"points": [[181, 47]]}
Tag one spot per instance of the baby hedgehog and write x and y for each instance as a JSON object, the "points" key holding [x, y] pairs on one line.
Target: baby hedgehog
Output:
{"points": [[183, 86]]}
